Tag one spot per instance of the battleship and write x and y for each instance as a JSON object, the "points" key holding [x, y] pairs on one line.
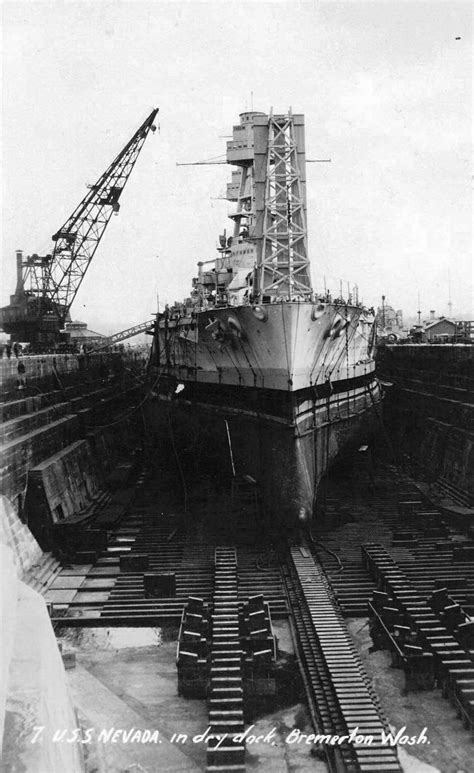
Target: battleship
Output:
{"points": [[265, 381], [256, 374]]}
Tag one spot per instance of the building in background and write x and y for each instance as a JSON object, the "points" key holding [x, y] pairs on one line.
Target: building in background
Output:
{"points": [[81, 336], [439, 330]]}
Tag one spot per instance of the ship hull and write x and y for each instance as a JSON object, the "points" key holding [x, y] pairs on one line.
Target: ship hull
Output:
{"points": [[280, 346], [287, 452], [273, 391]]}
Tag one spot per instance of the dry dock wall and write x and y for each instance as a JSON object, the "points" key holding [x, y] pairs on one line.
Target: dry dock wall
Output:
{"points": [[429, 409], [62, 486], [16, 535], [33, 685], [59, 438], [448, 453]]}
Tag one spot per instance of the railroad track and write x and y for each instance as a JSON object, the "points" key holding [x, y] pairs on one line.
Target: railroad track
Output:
{"points": [[318, 591], [348, 720]]}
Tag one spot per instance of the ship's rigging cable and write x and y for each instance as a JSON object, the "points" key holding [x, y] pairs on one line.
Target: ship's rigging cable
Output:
{"points": [[317, 542], [212, 358], [296, 336], [123, 417], [344, 349], [327, 352], [135, 408], [317, 358], [185, 488], [328, 429], [382, 425], [286, 343], [252, 351], [232, 359], [347, 362], [230, 447], [56, 376], [196, 344], [248, 361], [209, 351], [333, 355], [52, 405], [347, 346], [336, 359], [327, 550]]}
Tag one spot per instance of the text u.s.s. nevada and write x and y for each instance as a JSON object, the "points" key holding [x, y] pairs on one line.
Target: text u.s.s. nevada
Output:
{"points": [[249, 736]]}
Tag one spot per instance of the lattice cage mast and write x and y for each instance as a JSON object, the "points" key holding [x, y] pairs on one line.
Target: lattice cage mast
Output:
{"points": [[283, 267]]}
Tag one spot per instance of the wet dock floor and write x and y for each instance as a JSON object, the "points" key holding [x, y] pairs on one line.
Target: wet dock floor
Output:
{"points": [[126, 679]]}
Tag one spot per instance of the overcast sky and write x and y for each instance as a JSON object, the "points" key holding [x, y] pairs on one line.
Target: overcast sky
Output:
{"points": [[386, 88]]}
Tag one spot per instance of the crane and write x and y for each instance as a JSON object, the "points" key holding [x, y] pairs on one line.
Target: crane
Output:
{"points": [[48, 284], [122, 335]]}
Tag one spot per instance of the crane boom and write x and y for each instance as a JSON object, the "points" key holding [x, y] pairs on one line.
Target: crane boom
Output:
{"points": [[77, 240], [122, 335], [47, 284]]}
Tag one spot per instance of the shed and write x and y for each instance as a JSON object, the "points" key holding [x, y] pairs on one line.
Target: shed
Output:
{"points": [[439, 330]]}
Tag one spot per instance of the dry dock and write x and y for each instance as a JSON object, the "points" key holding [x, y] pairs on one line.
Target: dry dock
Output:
{"points": [[356, 631]]}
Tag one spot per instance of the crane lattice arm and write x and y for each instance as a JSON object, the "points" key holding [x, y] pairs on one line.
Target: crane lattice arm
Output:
{"points": [[122, 335], [56, 278]]}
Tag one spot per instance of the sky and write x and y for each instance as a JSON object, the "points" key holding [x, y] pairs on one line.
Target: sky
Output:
{"points": [[386, 89]]}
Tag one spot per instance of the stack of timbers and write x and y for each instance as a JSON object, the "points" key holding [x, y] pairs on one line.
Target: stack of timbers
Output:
{"points": [[415, 516], [431, 637], [257, 652], [406, 646], [227, 654], [193, 649], [259, 655], [419, 515]]}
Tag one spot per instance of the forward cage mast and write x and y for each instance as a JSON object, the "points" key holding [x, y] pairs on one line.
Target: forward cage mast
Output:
{"points": [[280, 191]]}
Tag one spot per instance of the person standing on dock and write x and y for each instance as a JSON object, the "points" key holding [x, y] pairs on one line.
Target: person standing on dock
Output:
{"points": [[21, 383]]}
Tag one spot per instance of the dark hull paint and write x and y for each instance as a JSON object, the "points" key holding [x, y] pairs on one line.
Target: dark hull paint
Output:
{"points": [[286, 449]]}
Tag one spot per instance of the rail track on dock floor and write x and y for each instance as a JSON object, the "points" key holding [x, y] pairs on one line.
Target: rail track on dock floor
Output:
{"points": [[320, 582], [350, 727]]}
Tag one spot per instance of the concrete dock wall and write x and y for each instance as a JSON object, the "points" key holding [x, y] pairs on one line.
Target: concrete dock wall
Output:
{"points": [[33, 685], [20, 455], [62, 486], [429, 409], [42, 370], [49, 372], [70, 480], [448, 452], [62, 434], [17, 536]]}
